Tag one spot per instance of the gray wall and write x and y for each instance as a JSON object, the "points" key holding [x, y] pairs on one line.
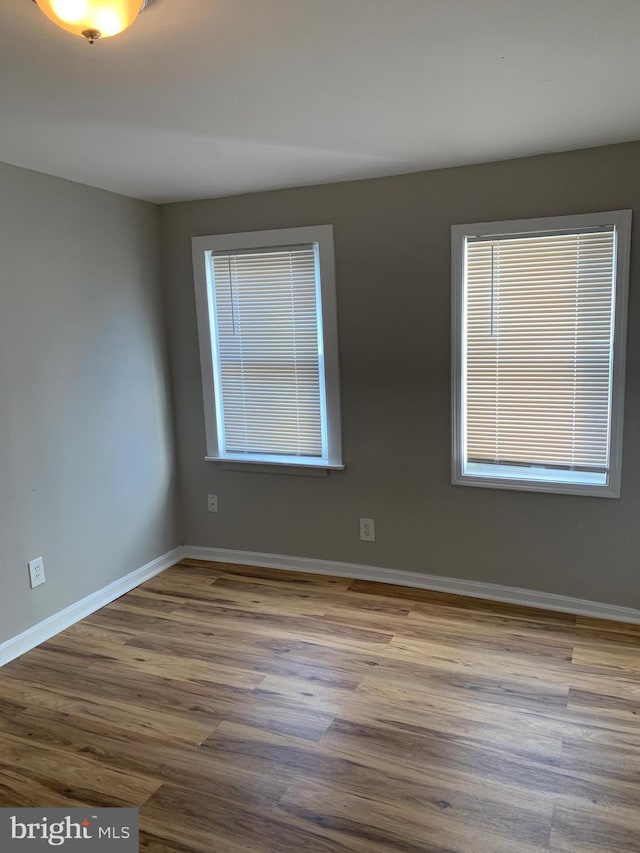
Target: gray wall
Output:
{"points": [[87, 469], [86, 447], [393, 276]]}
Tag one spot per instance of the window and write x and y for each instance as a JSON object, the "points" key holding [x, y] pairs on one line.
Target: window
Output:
{"points": [[268, 343], [539, 323]]}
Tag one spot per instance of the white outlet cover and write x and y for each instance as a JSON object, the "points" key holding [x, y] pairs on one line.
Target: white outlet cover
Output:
{"points": [[367, 530], [36, 572]]}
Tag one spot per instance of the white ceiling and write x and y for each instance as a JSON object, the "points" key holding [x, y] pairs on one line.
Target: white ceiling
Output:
{"points": [[205, 98]]}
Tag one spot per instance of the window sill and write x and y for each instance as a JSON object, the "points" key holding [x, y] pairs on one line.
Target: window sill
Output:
{"points": [[536, 480], [259, 466]]}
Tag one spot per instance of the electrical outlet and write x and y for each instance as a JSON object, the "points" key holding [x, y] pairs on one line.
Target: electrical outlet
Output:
{"points": [[212, 504], [36, 572], [367, 530]]}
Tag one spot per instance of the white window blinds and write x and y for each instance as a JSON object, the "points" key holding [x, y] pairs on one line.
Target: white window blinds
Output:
{"points": [[537, 358], [268, 352]]}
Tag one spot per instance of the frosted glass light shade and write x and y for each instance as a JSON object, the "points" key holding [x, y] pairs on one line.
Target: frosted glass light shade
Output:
{"points": [[104, 18]]}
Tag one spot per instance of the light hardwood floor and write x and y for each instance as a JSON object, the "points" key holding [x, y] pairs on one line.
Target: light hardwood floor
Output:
{"points": [[246, 709]]}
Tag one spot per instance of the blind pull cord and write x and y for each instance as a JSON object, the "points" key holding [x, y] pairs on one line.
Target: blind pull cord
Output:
{"points": [[233, 307], [493, 250]]}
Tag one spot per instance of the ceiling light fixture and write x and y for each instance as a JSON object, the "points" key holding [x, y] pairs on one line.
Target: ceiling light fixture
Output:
{"points": [[93, 19]]}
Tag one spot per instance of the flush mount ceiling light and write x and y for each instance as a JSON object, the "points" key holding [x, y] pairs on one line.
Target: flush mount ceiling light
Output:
{"points": [[93, 19]]}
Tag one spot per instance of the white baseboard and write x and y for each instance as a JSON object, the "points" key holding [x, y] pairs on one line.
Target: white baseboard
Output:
{"points": [[48, 628], [473, 589]]}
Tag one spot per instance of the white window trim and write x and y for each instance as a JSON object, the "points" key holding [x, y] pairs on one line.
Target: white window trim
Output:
{"points": [[621, 219], [202, 247]]}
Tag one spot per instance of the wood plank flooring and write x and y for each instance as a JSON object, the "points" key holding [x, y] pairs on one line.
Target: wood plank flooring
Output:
{"points": [[244, 709]]}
